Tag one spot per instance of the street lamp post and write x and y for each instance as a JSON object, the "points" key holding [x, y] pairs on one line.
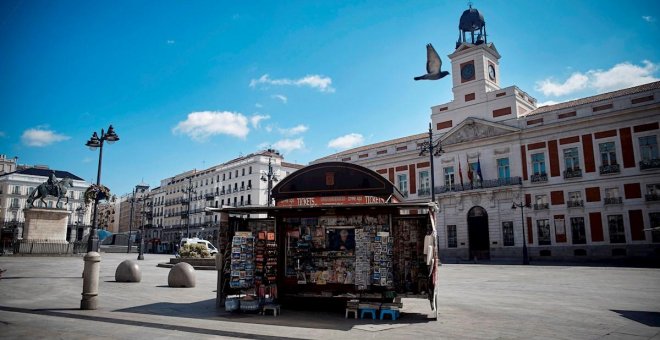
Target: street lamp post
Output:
{"points": [[434, 149], [522, 206], [269, 177], [97, 142], [190, 192], [92, 259], [138, 189], [141, 255]]}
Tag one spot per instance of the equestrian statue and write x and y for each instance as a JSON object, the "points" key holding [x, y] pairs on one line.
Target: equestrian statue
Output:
{"points": [[52, 187]]}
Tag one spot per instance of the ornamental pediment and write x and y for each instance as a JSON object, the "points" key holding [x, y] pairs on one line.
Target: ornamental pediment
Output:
{"points": [[473, 129]]}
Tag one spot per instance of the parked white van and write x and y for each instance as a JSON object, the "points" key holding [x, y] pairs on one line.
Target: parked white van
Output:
{"points": [[212, 249]]}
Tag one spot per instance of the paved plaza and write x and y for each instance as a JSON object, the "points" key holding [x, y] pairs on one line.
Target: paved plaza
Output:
{"points": [[40, 298]]}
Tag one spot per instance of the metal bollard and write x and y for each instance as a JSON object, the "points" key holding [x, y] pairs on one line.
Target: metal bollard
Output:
{"points": [[90, 281]]}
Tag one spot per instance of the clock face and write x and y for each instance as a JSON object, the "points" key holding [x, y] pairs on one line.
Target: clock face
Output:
{"points": [[491, 72], [467, 72]]}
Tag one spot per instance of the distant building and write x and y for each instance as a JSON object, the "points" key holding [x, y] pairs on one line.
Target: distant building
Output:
{"points": [[7, 165], [588, 168], [177, 205], [16, 187]]}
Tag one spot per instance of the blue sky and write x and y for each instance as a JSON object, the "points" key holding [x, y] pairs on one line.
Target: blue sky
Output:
{"points": [[190, 84]]}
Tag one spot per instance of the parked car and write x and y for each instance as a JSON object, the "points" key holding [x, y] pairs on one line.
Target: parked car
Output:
{"points": [[212, 249]]}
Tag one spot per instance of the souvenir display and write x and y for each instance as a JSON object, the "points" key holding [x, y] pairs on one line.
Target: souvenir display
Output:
{"points": [[242, 261]]}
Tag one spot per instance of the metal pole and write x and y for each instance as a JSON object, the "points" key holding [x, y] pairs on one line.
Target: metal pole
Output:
{"points": [[141, 255], [270, 180], [522, 219], [431, 161], [93, 239], [189, 199], [130, 224]]}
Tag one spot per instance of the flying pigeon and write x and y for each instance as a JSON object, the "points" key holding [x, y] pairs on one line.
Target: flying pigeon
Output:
{"points": [[433, 65]]}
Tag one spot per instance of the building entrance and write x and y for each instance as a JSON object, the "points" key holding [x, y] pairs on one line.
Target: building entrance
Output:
{"points": [[478, 238]]}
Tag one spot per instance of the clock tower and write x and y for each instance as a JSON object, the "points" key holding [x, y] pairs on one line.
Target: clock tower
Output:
{"points": [[475, 62], [475, 71]]}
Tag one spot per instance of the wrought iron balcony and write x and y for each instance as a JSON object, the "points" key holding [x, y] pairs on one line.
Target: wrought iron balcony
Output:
{"points": [[575, 203], [613, 200], [610, 169], [652, 197], [405, 193], [573, 173], [538, 178], [649, 164], [209, 197], [423, 192], [541, 206], [489, 183]]}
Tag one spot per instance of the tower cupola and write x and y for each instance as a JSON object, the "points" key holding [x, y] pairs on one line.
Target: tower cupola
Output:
{"points": [[472, 22]]}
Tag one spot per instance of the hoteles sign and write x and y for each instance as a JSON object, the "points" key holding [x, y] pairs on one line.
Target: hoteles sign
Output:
{"points": [[328, 200]]}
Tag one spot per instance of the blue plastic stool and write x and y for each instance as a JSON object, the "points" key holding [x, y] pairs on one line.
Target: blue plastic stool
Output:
{"points": [[392, 313], [368, 310]]}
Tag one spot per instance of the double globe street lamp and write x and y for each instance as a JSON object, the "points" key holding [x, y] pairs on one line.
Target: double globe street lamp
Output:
{"points": [[92, 258], [522, 206], [93, 143]]}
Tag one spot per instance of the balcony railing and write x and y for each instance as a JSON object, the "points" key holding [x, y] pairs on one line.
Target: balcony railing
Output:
{"points": [[423, 192], [613, 200], [575, 203], [541, 206], [573, 173], [652, 197], [489, 183], [537, 178], [649, 164], [209, 197], [610, 169]]}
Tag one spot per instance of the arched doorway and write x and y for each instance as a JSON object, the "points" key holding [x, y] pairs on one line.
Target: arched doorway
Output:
{"points": [[478, 238]]}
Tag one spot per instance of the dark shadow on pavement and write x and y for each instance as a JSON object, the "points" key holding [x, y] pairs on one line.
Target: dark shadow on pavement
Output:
{"points": [[289, 317], [651, 319], [136, 323]]}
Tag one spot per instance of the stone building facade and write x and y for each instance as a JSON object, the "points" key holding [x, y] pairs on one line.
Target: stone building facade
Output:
{"points": [[587, 169]]}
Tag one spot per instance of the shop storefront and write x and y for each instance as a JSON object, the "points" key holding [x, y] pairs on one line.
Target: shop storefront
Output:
{"points": [[337, 232]]}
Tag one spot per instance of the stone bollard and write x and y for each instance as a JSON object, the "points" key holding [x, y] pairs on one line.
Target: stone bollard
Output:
{"points": [[90, 281], [182, 275], [128, 271]]}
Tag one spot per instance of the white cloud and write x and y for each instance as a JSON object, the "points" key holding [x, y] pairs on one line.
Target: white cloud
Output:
{"points": [[620, 76], [202, 125], [321, 83], [574, 83], [41, 137], [648, 18], [288, 145], [547, 103], [623, 75], [258, 106], [2, 134], [296, 130], [171, 42], [283, 98], [269, 128], [256, 119], [348, 141]]}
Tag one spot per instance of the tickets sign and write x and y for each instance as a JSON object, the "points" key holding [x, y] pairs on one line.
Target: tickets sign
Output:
{"points": [[330, 200]]}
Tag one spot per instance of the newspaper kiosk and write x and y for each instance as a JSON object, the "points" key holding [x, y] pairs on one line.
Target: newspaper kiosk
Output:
{"points": [[337, 232]]}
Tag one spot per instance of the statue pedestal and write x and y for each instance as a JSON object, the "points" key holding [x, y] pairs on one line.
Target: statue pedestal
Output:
{"points": [[45, 225], [45, 231]]}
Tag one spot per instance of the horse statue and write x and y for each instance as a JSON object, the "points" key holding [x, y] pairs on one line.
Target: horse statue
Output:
{"points": [[57, 189]]}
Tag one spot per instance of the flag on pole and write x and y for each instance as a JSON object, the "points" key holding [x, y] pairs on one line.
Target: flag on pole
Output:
{"points": [[470, 173], [481, 178], [460, 171]]}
